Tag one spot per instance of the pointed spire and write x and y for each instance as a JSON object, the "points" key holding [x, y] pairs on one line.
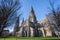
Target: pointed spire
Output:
{"points": [[22, 22], [31, 10], [32, 16], [16, 27], [18, 20]]}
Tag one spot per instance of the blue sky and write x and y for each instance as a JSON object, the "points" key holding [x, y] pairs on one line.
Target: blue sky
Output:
{"points": [[40, 7]]}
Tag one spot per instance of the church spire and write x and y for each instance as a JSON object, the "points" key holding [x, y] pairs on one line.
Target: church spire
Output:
{"points": [[16, 27], [22, 22], [32, 17], [31, 10]]}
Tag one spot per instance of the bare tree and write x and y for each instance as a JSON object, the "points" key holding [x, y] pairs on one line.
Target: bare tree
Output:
{"points": [[55, 17], [8, 12]]}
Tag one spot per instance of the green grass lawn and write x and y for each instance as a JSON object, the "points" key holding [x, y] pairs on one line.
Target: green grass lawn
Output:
{"points": [[31, 38]]}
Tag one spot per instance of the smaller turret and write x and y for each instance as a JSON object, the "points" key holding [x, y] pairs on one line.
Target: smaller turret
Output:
{"points": [[16, 27], [22, 22]]}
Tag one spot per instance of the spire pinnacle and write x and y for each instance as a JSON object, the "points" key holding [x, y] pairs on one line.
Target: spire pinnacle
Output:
{"points": [[32, 16], [22, 21], [31, 10]]}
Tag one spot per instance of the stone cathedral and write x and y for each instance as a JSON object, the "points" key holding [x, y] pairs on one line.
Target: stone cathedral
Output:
{"points": [[31, 28]]}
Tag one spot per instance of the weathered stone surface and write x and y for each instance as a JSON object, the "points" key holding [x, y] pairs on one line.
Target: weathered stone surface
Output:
{"points": [[31, 28]]}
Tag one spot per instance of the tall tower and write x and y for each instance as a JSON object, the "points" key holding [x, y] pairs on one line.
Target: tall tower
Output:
{"points": [[22, 22], [32, 17], [16, 27]]}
